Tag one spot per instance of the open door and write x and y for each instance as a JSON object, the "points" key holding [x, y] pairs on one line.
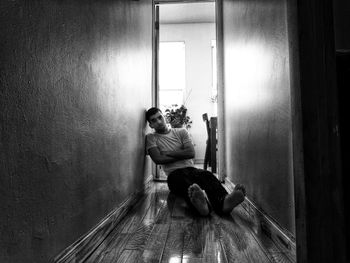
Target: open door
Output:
{"points": [[220, 90], [185, 67], [155, 97]]}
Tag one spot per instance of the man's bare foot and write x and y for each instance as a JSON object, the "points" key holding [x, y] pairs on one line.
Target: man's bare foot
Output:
{"points": [[198, 199], [234, 199]]}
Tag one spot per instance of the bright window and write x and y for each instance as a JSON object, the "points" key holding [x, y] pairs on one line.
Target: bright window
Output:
{"points": [[214, 72], [214, 88], [171, 73]]}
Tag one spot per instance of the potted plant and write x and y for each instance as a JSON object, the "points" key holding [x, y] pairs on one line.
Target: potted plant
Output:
{"points": [[177, 117]]}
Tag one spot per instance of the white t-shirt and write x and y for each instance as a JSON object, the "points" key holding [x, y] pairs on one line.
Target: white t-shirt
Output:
{"points": [[172, 141]]}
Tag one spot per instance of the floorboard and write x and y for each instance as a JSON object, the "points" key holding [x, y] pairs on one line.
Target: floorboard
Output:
{"points": [[155, 244], [161, 228]]}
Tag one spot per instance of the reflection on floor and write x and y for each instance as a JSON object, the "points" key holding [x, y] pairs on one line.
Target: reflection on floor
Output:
{"points": [[161, 228]]}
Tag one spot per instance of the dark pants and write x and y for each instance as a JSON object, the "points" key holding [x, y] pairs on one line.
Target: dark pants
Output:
{"points": [[180, 179]]}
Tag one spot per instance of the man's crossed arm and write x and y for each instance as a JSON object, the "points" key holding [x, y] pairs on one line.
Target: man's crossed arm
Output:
{"points": [[160, 157]]}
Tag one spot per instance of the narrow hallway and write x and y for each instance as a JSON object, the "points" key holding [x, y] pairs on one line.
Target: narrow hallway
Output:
{"points": [[76, 78], [160, 228]]}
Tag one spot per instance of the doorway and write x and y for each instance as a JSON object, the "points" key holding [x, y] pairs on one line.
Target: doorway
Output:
{"points": [[186, 68]]}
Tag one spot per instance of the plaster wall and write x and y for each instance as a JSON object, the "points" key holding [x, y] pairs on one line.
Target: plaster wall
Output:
{"points": [[198, 71], [75, 82], [258, 105]]}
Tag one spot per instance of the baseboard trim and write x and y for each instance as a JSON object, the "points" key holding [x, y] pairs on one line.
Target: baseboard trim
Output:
{"points": [[80, 250], [283, 240]]}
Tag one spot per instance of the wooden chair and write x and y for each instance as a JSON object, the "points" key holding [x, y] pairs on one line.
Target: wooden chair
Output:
{"points": [[211, 148], [207, 156], [213, 124]]}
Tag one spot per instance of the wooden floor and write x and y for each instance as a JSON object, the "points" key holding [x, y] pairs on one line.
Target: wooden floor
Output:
{"points": [[161, 228]]}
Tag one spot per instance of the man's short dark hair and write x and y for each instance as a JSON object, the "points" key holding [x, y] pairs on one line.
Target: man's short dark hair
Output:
{"points": [[151, 112]]}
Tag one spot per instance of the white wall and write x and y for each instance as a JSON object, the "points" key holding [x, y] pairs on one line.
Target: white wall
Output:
{"points": [[197, 38]]}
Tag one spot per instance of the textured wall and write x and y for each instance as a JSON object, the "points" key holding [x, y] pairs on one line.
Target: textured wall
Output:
{"points": [[75, 81], [257, 105]]}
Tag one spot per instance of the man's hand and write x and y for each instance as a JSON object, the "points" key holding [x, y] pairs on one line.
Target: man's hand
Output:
{"points": [[165, 152], [186, 153], [160, 157], [163, 157]]}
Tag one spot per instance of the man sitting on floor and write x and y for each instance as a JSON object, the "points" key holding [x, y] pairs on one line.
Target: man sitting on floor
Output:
{"points": [[172, 148]]}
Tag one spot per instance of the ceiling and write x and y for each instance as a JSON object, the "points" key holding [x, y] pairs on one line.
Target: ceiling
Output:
{"points": [[187, 13]]}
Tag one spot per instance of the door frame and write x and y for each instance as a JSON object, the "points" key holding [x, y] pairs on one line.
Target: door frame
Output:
{"points": [[220, 80], [319, 207]]}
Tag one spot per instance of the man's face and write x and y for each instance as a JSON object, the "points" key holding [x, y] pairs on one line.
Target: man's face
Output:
{"points": [[157, 122]]}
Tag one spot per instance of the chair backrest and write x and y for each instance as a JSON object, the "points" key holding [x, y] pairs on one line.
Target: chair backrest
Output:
{"points": [[206, 119]]}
